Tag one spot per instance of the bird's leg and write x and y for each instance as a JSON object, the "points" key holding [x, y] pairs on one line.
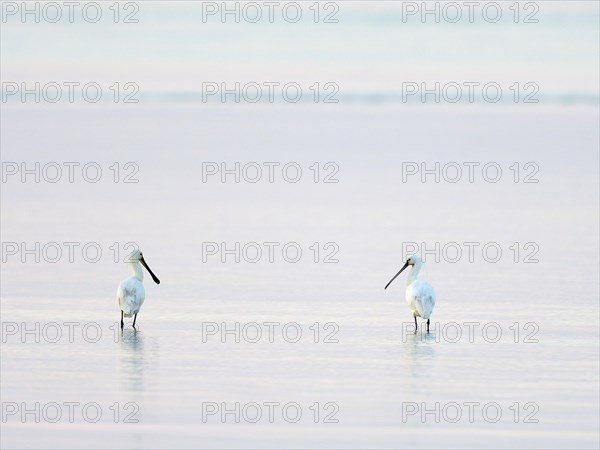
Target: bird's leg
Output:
{"points": [[415, 323], [428, 325], [134, 317], [122, 319]]}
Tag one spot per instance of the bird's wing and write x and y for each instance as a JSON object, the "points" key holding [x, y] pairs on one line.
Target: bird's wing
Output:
{"points": [[120, 294], [424, 298], [130, 295]]}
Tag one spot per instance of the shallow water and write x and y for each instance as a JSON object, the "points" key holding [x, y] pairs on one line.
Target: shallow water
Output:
{"points": [[177, 367]]}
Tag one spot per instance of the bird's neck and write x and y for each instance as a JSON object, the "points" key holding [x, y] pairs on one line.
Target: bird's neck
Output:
{"points": [[137, 270], [414, 273]]}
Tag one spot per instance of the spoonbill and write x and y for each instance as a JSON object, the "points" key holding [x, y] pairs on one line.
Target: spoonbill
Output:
{"points": [[131, 293], [419, 294]]}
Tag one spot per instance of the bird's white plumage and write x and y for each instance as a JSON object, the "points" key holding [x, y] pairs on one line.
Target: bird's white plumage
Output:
{"points": [[130, 295], [131, 292], [420, 298]]}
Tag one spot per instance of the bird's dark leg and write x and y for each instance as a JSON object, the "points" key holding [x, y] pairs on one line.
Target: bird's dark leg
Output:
{"points": [[428, 325], [416, 326], [134, 317], [122, 319]]}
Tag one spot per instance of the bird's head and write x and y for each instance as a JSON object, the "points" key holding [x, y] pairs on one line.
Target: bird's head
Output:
{"points": [[137, 256], [411, 261]]}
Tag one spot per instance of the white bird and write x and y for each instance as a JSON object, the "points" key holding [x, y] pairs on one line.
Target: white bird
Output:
{"points": [[419, 294], [131, 293]]}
